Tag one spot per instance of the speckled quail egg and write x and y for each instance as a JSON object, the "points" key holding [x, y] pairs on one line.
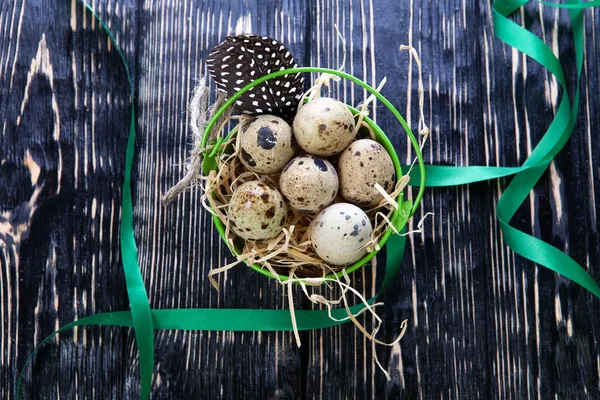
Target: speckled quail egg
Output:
{"points": [[364, 163], [266, 144], [310, 183], [339, 233], [323, 126], [256, 211]]}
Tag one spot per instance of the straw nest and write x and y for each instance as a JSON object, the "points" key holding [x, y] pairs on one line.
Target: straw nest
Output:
{"points": [[290, 253]]}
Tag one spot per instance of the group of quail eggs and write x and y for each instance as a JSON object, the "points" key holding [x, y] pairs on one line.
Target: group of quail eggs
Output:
{"points": [[309, 182]]}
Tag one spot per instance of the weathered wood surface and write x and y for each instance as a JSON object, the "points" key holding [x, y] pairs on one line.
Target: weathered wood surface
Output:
{"points": [[483, 323]]}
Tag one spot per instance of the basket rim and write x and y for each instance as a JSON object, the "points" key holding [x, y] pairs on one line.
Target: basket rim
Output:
{"points": [[399, 217]]}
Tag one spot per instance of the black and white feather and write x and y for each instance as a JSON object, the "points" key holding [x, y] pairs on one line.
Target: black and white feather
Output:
{"points": [[240, 60]]}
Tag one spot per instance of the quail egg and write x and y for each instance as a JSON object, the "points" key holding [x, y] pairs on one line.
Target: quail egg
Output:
{"points": [[266, 144], [339, 233], [256, 211], [323, 126], [309, 183], [364, 163]]}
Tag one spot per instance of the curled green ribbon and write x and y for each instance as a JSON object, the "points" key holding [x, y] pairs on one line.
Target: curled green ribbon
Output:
{"points": [[141, 316], [550, 145], [145, 320]]}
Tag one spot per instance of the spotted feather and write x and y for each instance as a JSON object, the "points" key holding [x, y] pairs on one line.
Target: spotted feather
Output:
{"points": [[240, 60]]}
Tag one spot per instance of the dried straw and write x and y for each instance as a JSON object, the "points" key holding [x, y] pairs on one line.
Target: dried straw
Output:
{"points": [[200, 114], [292, 248]]}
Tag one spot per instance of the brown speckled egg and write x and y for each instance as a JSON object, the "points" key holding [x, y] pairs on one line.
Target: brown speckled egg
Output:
{"points": [[364, 163], [256, 211], [310, 183], [266, 144], [339, 234], [323, 126]]}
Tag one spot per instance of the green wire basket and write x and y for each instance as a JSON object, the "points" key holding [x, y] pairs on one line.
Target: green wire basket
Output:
{"points": [[399, 218]]}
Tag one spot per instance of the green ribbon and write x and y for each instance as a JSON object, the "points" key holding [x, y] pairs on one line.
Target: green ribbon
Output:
{"points": [[138, 298], [573, 6], [552, 142], [145, 320]]}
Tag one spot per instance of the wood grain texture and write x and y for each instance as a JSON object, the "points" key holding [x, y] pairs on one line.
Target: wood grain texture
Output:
{"points": [[64, 126], [483, 323]]}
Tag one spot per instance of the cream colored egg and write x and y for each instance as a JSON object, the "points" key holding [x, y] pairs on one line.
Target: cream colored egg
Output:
{"points": [[309, 183], [266, 144], [256, 211], [339, 233], [323, 126], [364, 163]]}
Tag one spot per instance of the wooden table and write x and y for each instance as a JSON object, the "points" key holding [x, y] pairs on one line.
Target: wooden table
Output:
{"points": [[482, 322]]}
